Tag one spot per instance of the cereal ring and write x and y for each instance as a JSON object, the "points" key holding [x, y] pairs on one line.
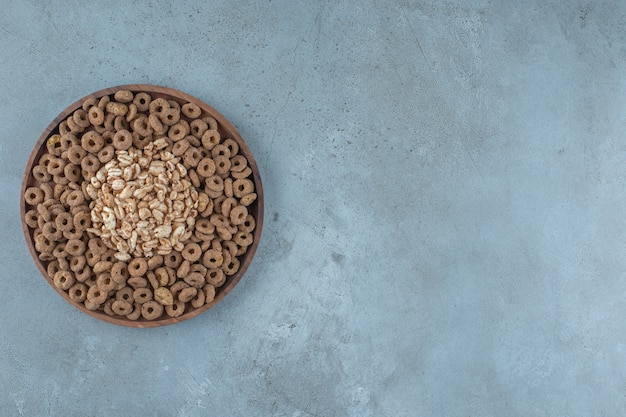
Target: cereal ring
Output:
{"points": [[75, 198], [75, 247], [242, 186], [194, 279], [121, 307], [191, 157], [204, 226], [41, 174], [118, 109], [210, 138], [227, 204], [124, 294], [231, 267], [64, 280], [59, 251], [198, 300], [30, 218], [123, 96], [248, 225], [63, 128], [209, 293], [50, 231], [90, 163], [122, 140], [78, 292], [69, 140], [132, 112], [178, 131], [52, 268], [105, 282], [137, 282], [193, 141], [247, 199], [33, 196], [212, 258], [211, 122], [109, 120], [74, 127], [96, 116], [188, 294], [152, 279], [73, 233], [232, 146], [162, 276], [119, 272], [142, 295], [102, 103], [228, 187], [206, 167], [141, 125], [82, 275], [63, 221], [220, 150], [223, 233], [92, 257], [176, 309], [137, 267], [43, 244], [77, 263], [89, 102], [197, 128], [106, 154], [216, 277], [191, 110], [151, 310], [218, 220], [231, 247], [120, 123], [238, 215], [81, 118], [156, 124], [169, 116], [158, 105], [155, 262], [82, 220], [92, 141], [53, 145], [215, 183], [142, 101], [183, 269], [173, 259], [180, 147], [72, 172], [102, 266], [238, 163], [191, 252], [246, 172], [55, 167], [96, 295]]}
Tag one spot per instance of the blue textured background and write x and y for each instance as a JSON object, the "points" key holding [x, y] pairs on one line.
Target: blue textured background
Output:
{"points": [[445, 209]]}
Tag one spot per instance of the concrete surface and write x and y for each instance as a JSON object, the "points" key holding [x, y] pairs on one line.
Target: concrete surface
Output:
{"points": [[445, 202]]}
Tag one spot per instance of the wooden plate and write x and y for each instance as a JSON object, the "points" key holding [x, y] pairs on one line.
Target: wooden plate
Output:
{"points": [[226, 130]]}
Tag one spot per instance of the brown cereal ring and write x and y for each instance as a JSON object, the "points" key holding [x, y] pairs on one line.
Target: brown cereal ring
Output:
{"points": [[216, 277], [132, 112], [209, 293], [89, 102], [210, 138], [218, 220], [220, 150], [48, 191], [82, 275], [92, 141], [227, 204], [173, 259], [97, 245], [242, 186], [142, 295], [141, 125], [96, 295], [122, 140], [137, 267], [248, 225], [81, 118], [63, 128], [247, 199], [183, 269], [123, 96], [162, 276], [30, 218], [124, 294], [178, 131], [109, 120], [77, 263], [64, 265], [176, 309], [43, 244], [169, 116], [171, 273], [33, 196], [191, 110], [59, 251], [55, 167], [245, 173], [231, 267], [188, 294], [75, 247], [206, 167], [174, 104], [75, 198], [156, 124], [121, 307], [106, 154], [105, 282], [118, 109], [92, 257], [238, 215], [152, 279], [180, 147], [193, 141], [232, 146], [50, 231], [69, 140], [228, 187], [140, 141], [73, 233], [120, 123], [63, 221], [137, 282], [211, 122], [212, 258], [107, 307], [215, 183], [90, 163], [194, 279], [204, 226], [52, 268], [64, 280], [82, 219], [151, 310], [191, 252], [102, 103], [223, 233], [74, 127], [163, 296], [191, 157], [136, 313], [222, 165], [96, 116], [53, 145], [78, 292], [41, 174], [72, 172], [142, 101], [231, 247], [197, 128], [238, 163], [198, 300], [90, 305], [119, 272], [155, 262], [158, 105]]}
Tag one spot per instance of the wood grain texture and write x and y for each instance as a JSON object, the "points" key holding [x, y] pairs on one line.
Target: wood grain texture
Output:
{"points": [[226, 130]]}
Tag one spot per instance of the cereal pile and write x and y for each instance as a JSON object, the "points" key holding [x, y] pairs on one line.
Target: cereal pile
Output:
{"points": [[140, 207]]}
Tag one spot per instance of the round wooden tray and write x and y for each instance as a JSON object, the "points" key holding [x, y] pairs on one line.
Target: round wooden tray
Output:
{"points": [[226, 129]]}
